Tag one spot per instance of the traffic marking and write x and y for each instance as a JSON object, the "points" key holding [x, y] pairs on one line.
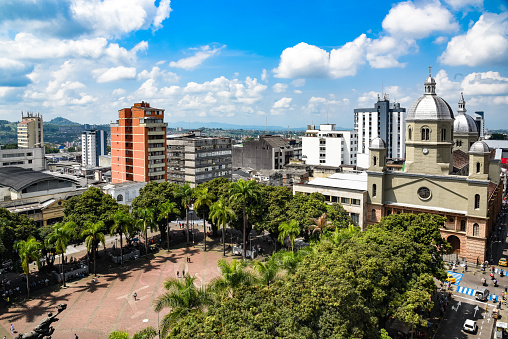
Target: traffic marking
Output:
{"points": [[457, 276], [471, 292]]}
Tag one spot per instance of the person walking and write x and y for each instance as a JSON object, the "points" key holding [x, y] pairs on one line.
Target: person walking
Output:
{"points": [[135, 295], [12, 328], [75, 336], [178, 274]]}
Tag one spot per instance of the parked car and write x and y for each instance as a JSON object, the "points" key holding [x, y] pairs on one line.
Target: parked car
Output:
{"points": [[470, 326], [503, 262], [482, 294]]}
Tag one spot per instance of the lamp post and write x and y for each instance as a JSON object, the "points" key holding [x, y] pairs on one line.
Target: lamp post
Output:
{"points": [[491, 254]]}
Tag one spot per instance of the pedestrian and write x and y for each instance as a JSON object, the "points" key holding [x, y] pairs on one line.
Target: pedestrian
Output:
{"points": [[178, 274], [465, 267], [75, 336], [183, 273], [135, 295], [12, 328]]}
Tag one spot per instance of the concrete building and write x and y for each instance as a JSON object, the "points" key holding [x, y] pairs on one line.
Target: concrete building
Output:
{"points": [[328, 146], [465, 132], [348, 188], [196, 159], [29, 158], [266, 152], [30, 131], [138, 144], [124, 193], [385, 120], [469, 199], [93, 145], [479, 118]]}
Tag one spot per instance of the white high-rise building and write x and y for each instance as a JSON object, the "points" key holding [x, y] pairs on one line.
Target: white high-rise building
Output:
{"points": [[385, 120], [93, 145], [328, 146], [30, 131]]}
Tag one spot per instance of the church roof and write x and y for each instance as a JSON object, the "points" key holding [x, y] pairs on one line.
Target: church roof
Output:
{"points": [[479, 148], [464, 123], [377, 143], [460, 160]]}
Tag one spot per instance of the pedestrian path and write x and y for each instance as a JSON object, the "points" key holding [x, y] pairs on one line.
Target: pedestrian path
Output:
{"points": [[457, 276], [471, 292]]}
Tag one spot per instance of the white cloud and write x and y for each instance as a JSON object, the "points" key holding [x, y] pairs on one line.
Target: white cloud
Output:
{"points": [[118, 92], [162, 13], [114, 74], [279, 88], [394, 94], [298, 82], [384, 52], [440, 40], [445, 86], [460, 4], [159, 75], [264, 75], [345, 60], [412, 21], [487, 83], [484, 43], [318, 105], [281, 106], [197, 59], [297, 91]]}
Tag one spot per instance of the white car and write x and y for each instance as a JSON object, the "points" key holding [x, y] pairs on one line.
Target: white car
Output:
{"points": [[470, 326]]}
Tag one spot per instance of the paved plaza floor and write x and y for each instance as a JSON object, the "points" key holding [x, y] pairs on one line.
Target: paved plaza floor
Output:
{"points": [[94, 309]]}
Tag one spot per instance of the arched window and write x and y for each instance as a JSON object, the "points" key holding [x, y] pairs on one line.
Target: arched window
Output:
{"points": [[374, 160], [119, 198], [477, 201], [462, 225], [374, 190], [409, 133], [425, 133], [443, 134], [478, 166], [476, 230], [374, 217]]}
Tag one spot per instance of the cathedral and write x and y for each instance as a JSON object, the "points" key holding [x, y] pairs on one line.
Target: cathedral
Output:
{"points": [[447, 171]]}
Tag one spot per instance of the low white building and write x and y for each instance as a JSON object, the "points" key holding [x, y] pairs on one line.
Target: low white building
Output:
{"points": [[28, 158], [125, 192], [348, 188], [328, 146]]}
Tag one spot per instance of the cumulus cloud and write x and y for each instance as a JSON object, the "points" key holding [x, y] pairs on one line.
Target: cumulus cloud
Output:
{"points": [[118, 92], [321, 105], [414, 21], [281, 106], [486, 83], [440, 40], [279, 88], [384, 52], [13, 73], [162, 13], [159, 75], [393, 93], [264, 75], [460, 4], [484, 43], [197, 59], [298, 82], [114, 74]]}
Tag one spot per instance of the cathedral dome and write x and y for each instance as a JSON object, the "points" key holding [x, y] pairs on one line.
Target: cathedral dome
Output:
{"points": [[430, 106], [377, 143], [464, 123], [479, 148]]}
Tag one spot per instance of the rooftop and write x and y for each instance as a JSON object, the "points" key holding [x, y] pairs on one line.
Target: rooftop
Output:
{"points": [[18, 178], [353, 180]]}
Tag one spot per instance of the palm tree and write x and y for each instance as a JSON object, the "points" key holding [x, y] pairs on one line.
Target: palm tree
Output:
{"points": [[28, 251], [185, 193], [60, 238], [267, 271], [320, 224], [289, 229], [93, 236], [233, 276], [146, 221], [220, 213], [183, 297], [121, 220], [243, 191], [203, 198], [166, 210]]}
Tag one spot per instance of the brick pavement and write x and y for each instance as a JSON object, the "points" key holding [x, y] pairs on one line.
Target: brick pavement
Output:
{"points": [[94, 309]]}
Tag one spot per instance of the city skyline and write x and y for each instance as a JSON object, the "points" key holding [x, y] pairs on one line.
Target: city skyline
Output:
{"points": [[248, 64]]}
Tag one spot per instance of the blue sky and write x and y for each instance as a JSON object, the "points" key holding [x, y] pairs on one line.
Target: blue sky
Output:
{"points": [[287, 63]]}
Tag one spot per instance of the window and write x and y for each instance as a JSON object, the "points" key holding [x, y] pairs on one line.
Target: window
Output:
{"points": [[374, 190], [119, 198], [355, 201], [477, 201], [424, 193], [355, 217], [476, 230], [344, 200], [443, 134], [374, 160], [462, 225], [374, 217], [409, 133], [425, 133], [478, 167]]}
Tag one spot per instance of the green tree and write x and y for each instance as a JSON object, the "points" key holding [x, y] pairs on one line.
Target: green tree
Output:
{"points": [[289, 229], [60, 238], [13, 227], [233, 275], [28, 251], [220, 213], [267, 272], [219, 187], [320, 224], [146, 333], [93, 236], [185, 193], [71, 149], [122, 221], [203, 200], [183, 297], [146, 219], [168, 211], [244, 192]]}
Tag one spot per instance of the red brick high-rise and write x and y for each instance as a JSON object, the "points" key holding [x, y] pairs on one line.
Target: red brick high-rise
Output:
{"points": [[138, 144]]}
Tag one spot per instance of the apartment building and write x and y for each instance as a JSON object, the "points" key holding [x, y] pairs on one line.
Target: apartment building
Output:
{"points": [[30, 131], [93, 145], [138, 144], [328, 146]]}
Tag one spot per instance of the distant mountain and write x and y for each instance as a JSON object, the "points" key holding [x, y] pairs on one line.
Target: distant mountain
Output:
{"points": [[62, 122], [196, 125]]}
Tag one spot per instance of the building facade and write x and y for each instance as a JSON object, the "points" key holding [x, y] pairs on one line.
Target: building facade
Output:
{"points": [[196, 159], [138, 145], [266, 152], [329, 147], [93, 145], [385, 120], [29, 158], [30, 131], [469, 200]]}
